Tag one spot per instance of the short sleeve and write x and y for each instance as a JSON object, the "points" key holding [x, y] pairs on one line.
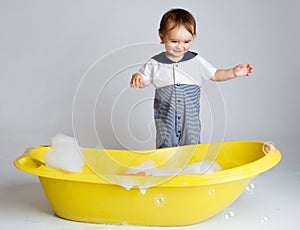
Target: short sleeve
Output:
{"points": [[147, 72], [211, 70]]}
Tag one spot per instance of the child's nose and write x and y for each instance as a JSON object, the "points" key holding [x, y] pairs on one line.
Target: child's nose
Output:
{"points": [[179, 45]]}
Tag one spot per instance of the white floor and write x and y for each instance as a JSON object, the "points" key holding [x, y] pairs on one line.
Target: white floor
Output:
{"points": [[273, 204]]}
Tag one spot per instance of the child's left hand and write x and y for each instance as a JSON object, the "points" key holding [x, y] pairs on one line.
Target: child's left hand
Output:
{"points": [[242, 70]]}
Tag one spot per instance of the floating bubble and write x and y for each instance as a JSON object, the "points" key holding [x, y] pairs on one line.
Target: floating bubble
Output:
{"points": [[211, 192], [124, 223], [159, 200], [251, 188], [264, 219], [228, 216], [268, 147]]}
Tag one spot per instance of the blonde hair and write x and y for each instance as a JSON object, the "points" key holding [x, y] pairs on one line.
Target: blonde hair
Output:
{"points": [[177, 17]]}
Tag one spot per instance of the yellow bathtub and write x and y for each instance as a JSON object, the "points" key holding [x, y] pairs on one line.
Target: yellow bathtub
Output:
{"points": [[95, 196]]}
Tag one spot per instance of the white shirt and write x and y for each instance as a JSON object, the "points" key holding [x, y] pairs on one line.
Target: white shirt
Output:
{"points": [[192, 69]]}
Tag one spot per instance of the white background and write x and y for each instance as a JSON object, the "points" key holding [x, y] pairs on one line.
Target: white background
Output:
{"points": [[46, 47]]}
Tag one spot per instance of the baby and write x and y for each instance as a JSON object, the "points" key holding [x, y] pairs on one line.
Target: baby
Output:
{"points": [[177, 75]]}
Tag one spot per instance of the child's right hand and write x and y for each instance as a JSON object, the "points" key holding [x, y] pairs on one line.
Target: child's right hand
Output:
{"points": [[137, 81]]}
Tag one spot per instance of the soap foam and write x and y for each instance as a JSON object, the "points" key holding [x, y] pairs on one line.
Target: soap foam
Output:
{"points": [[147, 168], [64, 154]]}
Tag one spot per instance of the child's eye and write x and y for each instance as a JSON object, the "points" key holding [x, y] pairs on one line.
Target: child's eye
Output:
{"points": [[174, 41], [186, 42]]}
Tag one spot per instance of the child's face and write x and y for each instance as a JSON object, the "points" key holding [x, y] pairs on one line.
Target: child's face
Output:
{"points": [[177, 42]]}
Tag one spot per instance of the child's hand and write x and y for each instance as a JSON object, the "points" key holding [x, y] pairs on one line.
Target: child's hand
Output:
{"points": [[242, 70], [137, 81]]}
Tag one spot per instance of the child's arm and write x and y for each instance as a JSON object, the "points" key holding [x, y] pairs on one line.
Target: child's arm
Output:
{"points": [[137, 81], [227, 74]]}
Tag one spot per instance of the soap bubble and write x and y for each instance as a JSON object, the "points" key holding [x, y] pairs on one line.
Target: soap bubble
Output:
{"points": [[228, 216], [268, 147], [264, 219], [159, 200], [211, 192], [124, 223], [251, 188], [185, 184]]}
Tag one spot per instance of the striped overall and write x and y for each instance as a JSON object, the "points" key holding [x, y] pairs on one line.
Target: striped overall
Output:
{"points": [[177, 97], [177, 115]]}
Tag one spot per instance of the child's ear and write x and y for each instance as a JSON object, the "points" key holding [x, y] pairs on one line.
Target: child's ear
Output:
{"points": [[161, 37]]}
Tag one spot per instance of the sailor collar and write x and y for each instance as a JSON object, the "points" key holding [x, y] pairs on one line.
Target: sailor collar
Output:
{"points": [[162, 58]]}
